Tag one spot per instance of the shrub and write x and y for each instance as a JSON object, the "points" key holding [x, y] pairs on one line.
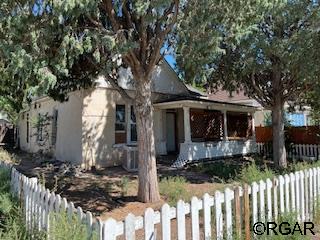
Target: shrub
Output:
{"points": [[124, 186], [64, 227], [224, 170], [253, 173], [6, 156], [174, 189]]}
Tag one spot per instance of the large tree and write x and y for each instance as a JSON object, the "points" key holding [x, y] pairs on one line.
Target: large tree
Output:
{"points": [[69, 43], [275, 63]]}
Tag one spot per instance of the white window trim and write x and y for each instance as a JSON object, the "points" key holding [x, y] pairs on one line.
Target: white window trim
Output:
{"points": [[129, 126]]}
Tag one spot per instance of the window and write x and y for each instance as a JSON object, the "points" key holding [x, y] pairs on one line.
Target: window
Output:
{"points": [[120, 125], [40, 128], [54, 127], [120, 118], [133, 126], [27, 135]]}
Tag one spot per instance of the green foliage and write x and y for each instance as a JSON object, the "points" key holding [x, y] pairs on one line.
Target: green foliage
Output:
{"points": [[291, 219], [300, 166], [11, 220], [224, 170], [204, 28], [253, 173], [124, 185], [173, 189], [64, 227], [7, 157]]}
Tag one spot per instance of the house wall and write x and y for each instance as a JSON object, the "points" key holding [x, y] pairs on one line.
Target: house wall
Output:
{"points": [[98, 129], [68, 144]]}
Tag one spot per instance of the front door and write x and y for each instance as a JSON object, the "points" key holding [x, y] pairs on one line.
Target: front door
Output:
{"points": [[171, 132]]}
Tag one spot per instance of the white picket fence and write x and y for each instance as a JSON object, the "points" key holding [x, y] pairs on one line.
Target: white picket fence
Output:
{"points": [[226, 214], [222, 216], [298, 151], [38, 203]]}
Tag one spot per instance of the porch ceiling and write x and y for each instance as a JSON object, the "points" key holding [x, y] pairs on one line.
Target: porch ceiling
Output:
{"points": [[205, 104]]}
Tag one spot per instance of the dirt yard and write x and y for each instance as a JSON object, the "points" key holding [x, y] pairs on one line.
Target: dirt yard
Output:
{"points": [[109, 192]]}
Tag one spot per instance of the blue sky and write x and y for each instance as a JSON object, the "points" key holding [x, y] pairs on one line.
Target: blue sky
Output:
{"points": [[171, 60]]}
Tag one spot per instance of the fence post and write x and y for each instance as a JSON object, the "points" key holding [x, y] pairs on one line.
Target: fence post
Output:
{"points": [[246, 202], [237, 212]]}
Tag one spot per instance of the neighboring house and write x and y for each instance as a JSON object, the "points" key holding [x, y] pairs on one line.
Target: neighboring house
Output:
{"points": [[6, 131], [96, 127], [263, 116]]}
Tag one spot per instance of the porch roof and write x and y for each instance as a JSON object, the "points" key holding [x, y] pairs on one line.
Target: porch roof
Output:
{"points": [[194, 102]]}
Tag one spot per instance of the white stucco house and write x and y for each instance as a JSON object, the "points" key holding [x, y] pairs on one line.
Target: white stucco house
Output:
{"points": [[96, 127]]}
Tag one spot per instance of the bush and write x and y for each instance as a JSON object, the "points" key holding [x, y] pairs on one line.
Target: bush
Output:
{"points": [[174, 189], [252, 173], [64, 227], [224, 170], [11, 220], [6, 156]]}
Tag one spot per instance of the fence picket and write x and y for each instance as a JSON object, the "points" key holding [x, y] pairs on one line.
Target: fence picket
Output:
{"points": [[310, 194], [254, 190], [262, 187], [149, 231], [165, 222], [228, 194], [207, 215], [181, 221], [218, 197], [269, 199], [129, 227], [195, 218], [297, 194], [109, 229], [306, 194], [292, 191], [237, 212], [281, 193], [287, 196], [275, 184]]}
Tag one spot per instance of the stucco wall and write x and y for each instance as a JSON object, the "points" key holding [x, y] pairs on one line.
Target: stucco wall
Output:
{"points": [[98, 129], [68, 145]]}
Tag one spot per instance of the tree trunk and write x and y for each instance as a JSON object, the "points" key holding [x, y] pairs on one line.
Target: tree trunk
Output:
{"points": [[279, 149], [148, 182]]}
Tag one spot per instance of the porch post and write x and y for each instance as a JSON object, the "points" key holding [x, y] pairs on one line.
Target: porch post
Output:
{"points": [[186, 121], [253, 126], [225, 126]]}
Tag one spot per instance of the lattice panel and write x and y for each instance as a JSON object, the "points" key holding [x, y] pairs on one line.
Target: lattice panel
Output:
{"points": [[206, 125]]}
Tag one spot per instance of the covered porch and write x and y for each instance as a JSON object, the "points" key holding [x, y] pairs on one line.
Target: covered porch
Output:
{"points": [[203, 129]]}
